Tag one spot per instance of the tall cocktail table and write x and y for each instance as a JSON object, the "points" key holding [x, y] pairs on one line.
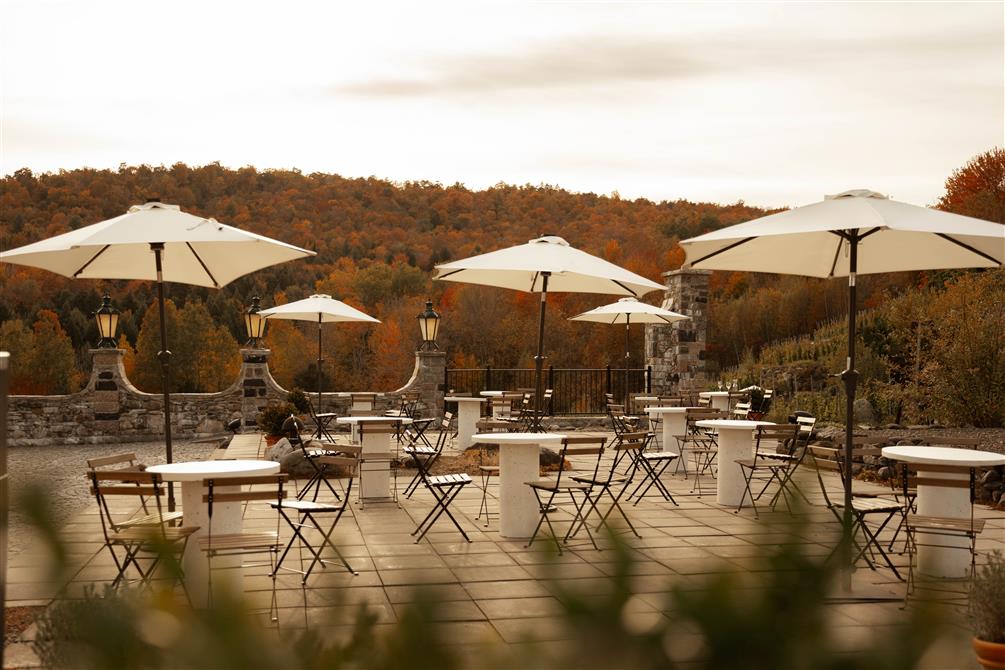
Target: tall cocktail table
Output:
{"points": [[735, 443], [226, 517], [674, 420], [948, 560], [375, 475], [469, 410], [519, 463]]}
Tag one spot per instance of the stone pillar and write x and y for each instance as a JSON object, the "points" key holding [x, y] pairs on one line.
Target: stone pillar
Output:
{"points": [[257, 384], [427, 379], [108, 379], [676, 351]]}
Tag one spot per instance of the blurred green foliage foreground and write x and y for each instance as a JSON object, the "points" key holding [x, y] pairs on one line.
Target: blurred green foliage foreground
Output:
{"points": [[779, 622]]}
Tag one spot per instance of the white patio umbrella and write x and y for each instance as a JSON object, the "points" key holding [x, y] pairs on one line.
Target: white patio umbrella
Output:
{"points": [[158, 242], [855, 232], [629, 311], [318, 308], [541, 265]]}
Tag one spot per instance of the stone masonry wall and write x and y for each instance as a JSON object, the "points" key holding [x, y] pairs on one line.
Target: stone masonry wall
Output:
{"points": [[676, 351], [111, 410]]}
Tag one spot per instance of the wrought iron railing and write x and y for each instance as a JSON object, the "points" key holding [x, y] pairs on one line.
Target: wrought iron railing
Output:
{"points": [[574, 390]]}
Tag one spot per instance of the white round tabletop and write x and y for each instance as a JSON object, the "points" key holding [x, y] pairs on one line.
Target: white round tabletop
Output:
{"points": [[944, 456], [346, 394], [732, 424], [457, 398], [197, 470], [372, 419], [713, 394], [518, 438], [658, 409]]}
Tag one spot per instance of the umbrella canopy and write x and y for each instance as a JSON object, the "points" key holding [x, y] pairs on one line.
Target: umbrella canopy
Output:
{"points": [[629, 311], [159, 242], [319, 308], [855, 232], [195, 250], [814, 240], [524, 268], [541, 265]]}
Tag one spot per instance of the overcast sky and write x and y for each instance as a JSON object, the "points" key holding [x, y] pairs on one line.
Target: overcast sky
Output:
{"points": [[773, 103]]}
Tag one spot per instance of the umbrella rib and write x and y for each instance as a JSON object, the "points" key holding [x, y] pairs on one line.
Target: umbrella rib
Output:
{"points": [[447, 274], [837, 252], [93, 258], [196, 254], [968, 247], [625, 287], [724, 249]]}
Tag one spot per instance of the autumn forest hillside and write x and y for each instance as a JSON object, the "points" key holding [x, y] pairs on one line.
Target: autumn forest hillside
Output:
{"points": [[376, 242]]}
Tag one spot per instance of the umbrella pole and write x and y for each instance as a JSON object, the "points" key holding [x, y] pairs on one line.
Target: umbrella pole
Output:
{"points": [[539, 359], [319, 371], [850, 379], [164, 356], [628, 355]]}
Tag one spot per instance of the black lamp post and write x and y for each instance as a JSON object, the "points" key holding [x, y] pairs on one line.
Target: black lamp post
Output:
{"points": [[429, 326], [107, 318], [254, 323]]}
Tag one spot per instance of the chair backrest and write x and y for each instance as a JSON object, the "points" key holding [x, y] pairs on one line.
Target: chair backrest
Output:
{"points": [[580, 445], [741, 410], [120, 483], [261, 487], [806, 424], [704, 401], [493, 426], [125, 461], [383, 427], [939, 476], [446, 431], [771, 437], [501, 405], [949, 441], [629, 444]]}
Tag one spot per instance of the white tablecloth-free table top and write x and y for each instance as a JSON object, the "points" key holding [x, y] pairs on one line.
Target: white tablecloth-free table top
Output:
{"points": [[519, 463], [198, 470], [460, 399], [373, 419], [944, 556], [944, 456]]}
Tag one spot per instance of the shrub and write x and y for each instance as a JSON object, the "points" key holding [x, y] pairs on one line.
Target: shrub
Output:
{"points": [[298, 399], [272, 417], [987, 600]]}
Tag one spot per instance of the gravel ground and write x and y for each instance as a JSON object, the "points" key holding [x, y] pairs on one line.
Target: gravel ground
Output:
{"points": [[61, 468]]}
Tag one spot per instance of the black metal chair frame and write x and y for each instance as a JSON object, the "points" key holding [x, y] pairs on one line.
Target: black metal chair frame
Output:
{"points": [[652, 464], [307, 517], [445, 488], [626, 448], [777, 468], [429, 452]]}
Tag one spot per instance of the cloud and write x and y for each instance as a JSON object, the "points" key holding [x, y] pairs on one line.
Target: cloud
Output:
{"points": [[619, 60]]}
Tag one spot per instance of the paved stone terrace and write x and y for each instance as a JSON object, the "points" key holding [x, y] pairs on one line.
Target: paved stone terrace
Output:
{"points": [[498, 590]]}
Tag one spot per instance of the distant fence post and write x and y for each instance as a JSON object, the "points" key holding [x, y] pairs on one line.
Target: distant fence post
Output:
{"points": [[488, 378], [551, 385], [649, 379], [607, 381]]}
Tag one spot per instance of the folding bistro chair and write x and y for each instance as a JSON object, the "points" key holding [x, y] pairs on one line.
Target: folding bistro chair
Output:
{"points": [[764, 467], [444, 489], [485, 469], [701, 443], [321, 422], [308, 516], [627, 448], [548, 489], [258, 487], [652, 464], [939, 531], [312, 455], [429, 453], [862, 507], [130, 535], [126, 462], [795, 454]]}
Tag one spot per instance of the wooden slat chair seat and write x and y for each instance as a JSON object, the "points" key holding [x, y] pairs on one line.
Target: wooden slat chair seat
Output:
{"points": [[268, 488], [445, 488], [138, 538], [862, 506], [308, 516], [566, 482], [926, 530]]}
